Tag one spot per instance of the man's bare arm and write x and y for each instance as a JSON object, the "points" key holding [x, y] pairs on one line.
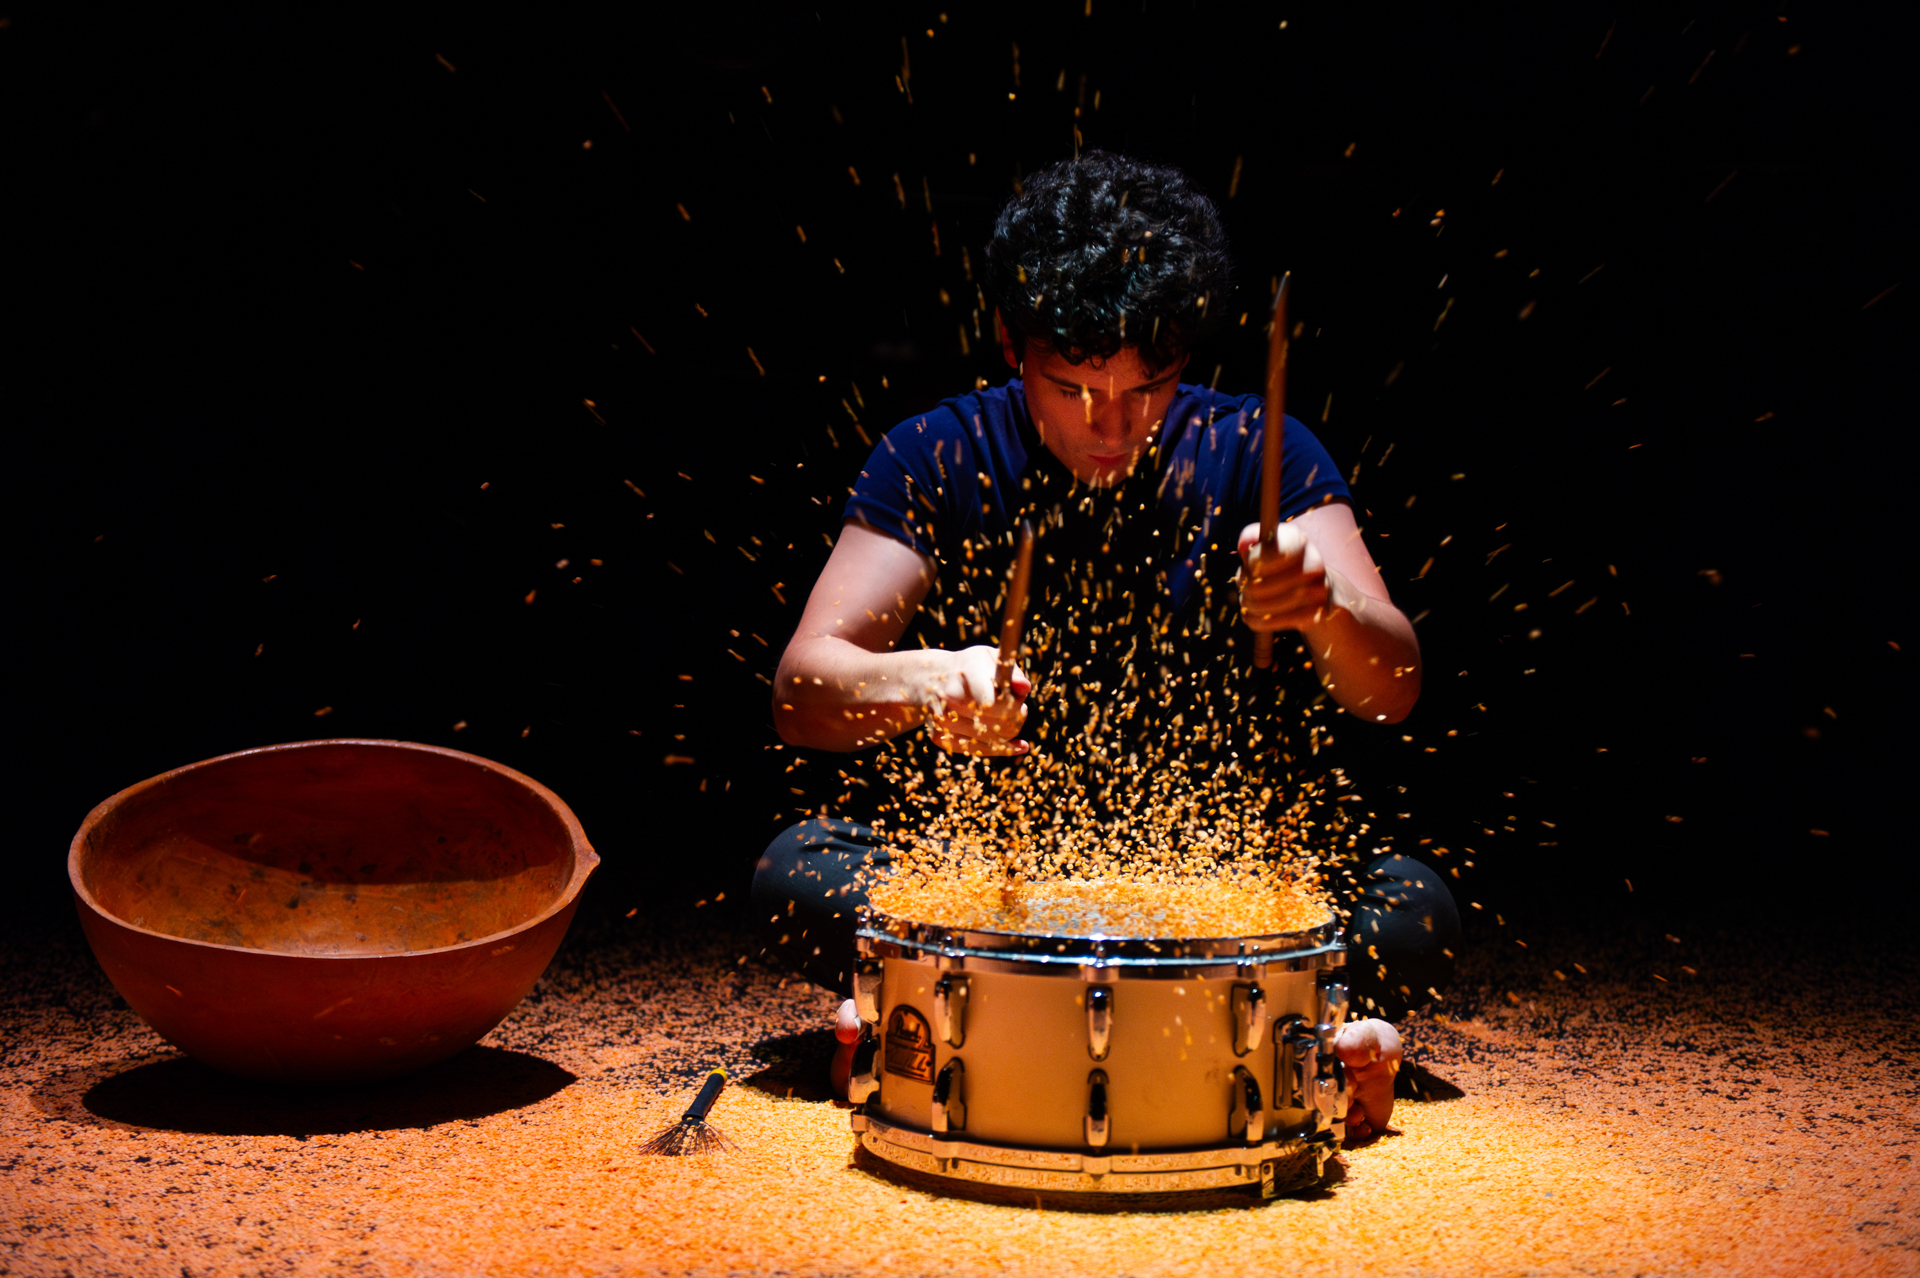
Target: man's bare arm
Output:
{"points": [[841, 686], [1324, 584]]}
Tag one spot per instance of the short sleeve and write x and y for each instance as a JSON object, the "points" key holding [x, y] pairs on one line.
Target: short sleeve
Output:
{"points": [[902, 490], [1308, 476]]}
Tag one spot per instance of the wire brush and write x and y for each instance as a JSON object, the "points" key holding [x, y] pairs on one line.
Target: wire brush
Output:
{"points": [[693, 1134]]}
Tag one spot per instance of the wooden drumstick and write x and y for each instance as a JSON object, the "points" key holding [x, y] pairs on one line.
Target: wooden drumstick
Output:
{"points": [[1011, 624], [1273, 427], [1015, 615]]}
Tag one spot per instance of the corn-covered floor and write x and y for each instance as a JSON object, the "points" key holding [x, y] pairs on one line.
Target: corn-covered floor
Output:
{"points": [[1739, 1107]]}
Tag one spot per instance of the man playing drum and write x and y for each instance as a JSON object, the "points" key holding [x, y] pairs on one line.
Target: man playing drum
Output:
{"points": [[1104, 272]]}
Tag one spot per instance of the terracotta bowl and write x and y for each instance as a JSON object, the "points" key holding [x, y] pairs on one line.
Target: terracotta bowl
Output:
{"points": [[328, 911]]}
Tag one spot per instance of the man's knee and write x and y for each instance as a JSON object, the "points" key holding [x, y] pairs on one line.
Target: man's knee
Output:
{"points": [[783, 876], [781, 855], [812, 854], [1404, 934], [807, 891]]}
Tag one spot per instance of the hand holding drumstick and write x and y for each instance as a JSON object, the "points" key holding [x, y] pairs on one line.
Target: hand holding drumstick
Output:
{"points": [[977, 707], [1284, 583], [965, 715], [1313, 575]]}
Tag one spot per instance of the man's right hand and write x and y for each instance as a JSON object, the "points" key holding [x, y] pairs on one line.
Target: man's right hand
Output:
{"points": [[964, 717]]}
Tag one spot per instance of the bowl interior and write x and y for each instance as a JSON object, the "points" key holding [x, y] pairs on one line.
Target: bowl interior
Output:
{"points": [[331, 848]]}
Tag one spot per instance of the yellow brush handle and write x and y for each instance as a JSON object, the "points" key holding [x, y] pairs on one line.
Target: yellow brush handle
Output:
{"points": [[709, 1093]]}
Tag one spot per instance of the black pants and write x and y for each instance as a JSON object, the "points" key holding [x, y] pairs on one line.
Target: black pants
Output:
{"points": [[1402, 934]]}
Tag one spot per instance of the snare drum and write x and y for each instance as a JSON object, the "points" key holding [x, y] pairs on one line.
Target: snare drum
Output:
{"points": [[1100, 1064]]}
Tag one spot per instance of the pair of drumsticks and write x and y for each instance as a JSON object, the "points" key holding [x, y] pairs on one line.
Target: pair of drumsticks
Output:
{"points": [[1014, 618]]}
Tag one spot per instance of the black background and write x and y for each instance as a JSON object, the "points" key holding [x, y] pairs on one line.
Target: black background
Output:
{"points": [[330, 320]]}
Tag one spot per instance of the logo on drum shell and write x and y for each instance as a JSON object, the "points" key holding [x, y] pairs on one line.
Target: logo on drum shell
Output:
{"points": [[909, 1045]]}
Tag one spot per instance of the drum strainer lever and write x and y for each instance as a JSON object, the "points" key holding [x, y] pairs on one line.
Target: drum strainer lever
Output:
{"points": [[1308, 1075]]}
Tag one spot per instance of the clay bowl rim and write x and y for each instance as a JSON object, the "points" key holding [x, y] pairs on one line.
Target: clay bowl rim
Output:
{"points": [[585, 859]]}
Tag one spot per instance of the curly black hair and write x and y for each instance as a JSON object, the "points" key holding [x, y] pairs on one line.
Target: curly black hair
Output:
{"points": [[1106, 251]]}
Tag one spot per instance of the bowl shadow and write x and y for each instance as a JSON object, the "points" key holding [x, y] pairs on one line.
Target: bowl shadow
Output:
{"points": [[178, 1093]]}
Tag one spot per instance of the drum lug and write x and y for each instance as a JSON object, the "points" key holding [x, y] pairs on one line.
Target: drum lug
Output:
{"points": [[866, 989], [950, 1098], [1249, 1018], [864, 1078], [950, 1009], [1249, 1116], [1296, 1065], [1098, 1124], [1099, 1021], [1333, 999]]}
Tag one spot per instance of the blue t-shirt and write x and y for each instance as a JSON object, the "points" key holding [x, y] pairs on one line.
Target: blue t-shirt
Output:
{"points": [[965, 471]]}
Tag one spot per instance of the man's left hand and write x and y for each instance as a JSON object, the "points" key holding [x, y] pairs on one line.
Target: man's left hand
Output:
{"points": [[1283, 586], [1370, 1051]]}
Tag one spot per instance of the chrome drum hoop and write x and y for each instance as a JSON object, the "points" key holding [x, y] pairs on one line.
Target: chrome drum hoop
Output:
{"points": [[879, 936], [1273, 1167]]}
